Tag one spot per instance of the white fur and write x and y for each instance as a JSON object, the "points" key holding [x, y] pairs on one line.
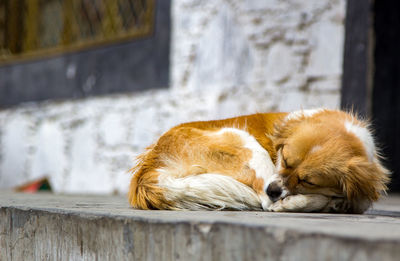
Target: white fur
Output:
{"points": [[260, 160], [300, 203], [217, 191], [208, 192], [365, 137], [306, 113]]}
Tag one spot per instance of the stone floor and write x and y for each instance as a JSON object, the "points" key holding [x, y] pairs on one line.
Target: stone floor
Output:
{"points": [[82, 227]]}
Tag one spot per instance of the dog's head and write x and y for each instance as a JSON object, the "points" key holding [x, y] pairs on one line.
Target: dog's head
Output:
{"points": [[331, 153]]}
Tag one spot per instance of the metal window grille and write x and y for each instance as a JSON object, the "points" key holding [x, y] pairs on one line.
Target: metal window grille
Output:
{"points": [[32, 28]]}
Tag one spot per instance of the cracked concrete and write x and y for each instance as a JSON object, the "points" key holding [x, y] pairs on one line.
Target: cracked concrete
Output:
{"points": [[59, 227]]}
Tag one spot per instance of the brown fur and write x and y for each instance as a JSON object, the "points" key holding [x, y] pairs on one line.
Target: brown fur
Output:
{"points": [[190, 144], [338, 168]]}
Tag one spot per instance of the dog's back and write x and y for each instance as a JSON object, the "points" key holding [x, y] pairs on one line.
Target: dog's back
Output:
{"points": [[220, 164]]}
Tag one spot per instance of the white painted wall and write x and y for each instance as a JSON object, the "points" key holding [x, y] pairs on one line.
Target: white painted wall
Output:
{"points": [[228, 57]]}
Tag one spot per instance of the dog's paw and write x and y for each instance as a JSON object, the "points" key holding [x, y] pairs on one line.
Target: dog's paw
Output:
{"points": [[336, 205], [300, 203], [292, 203], [343, 205], [276, 207], [266, 203]]}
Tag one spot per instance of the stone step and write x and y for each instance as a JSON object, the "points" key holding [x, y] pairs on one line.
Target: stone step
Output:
{"points": [[82, 227]]}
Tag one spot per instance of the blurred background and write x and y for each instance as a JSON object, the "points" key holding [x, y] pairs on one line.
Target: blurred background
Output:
{"points": [[85, 85]]}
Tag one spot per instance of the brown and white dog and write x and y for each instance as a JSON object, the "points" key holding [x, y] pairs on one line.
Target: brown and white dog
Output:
{"points": [[305, 161]]}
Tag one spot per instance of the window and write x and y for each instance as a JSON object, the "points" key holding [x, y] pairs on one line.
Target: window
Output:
{"points": [[51, 49], [39, 27]]}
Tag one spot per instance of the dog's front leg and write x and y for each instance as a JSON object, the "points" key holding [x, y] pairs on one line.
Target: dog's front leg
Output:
{"points": [[343, 205], [301, 203]]}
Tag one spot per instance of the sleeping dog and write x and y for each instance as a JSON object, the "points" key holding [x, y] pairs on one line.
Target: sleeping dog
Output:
{"points": [[305, 161]]}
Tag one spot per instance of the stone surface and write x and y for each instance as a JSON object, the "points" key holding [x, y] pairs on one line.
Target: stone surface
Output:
{"points": [[57, 227]]}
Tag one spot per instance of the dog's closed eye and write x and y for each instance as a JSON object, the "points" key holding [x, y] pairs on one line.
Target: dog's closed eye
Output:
{"points": [[307, 182], [284, 162]]}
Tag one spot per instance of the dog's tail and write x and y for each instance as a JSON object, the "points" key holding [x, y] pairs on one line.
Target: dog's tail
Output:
{"points": [[209, 192], [194, 192]]}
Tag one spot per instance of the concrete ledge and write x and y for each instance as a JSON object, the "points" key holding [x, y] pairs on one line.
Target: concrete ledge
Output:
{"points": [[59, 227]]}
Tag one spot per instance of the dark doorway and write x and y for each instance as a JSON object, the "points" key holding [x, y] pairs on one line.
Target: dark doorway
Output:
{"points": [[386, 93], [371, 73]]}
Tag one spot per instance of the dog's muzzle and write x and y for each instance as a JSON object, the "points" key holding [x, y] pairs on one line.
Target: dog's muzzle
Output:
{"points": [[274, 191], [275, 188]]}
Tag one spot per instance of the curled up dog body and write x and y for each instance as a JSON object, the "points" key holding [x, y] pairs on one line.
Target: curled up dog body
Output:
{"points": [[305, 161]]}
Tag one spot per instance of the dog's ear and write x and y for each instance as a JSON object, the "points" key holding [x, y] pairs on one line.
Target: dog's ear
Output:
{"points": [[286, 127], [281, 132], [364, 180]]}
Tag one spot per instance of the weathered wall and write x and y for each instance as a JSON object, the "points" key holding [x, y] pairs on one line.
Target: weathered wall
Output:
{"points": [[228, 57], [259, 55]]}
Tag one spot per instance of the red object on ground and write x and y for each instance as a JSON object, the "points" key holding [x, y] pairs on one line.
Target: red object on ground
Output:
{"points": [[35, 186]]}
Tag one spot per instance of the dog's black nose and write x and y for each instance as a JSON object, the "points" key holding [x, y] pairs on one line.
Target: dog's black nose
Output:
{"points": [[274, 191]]}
